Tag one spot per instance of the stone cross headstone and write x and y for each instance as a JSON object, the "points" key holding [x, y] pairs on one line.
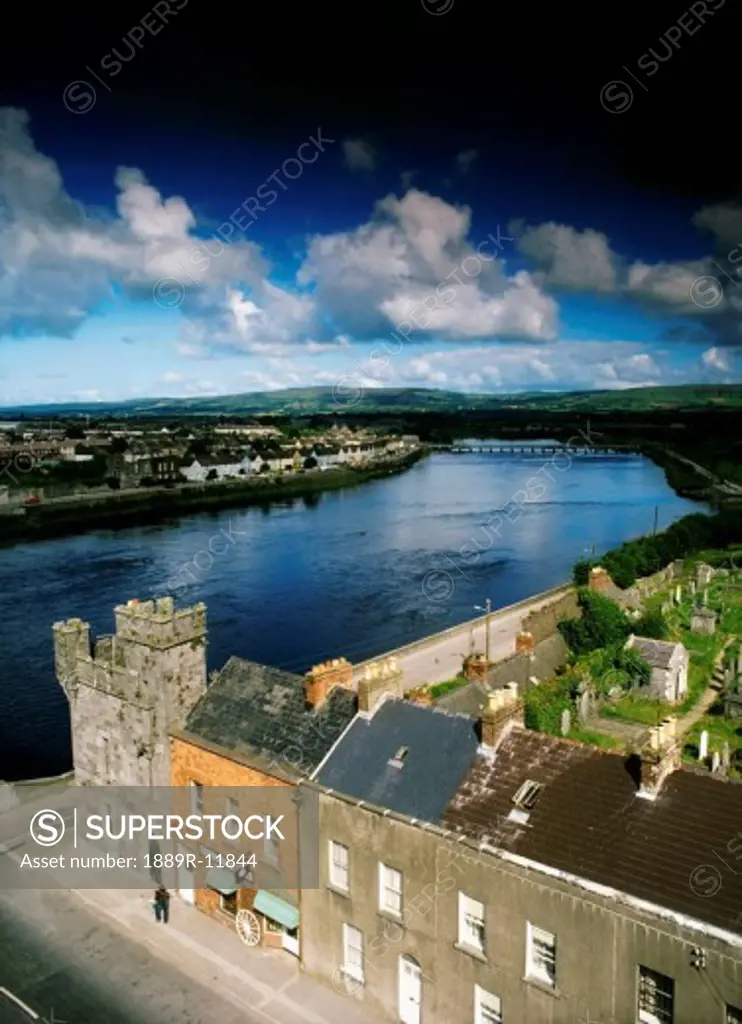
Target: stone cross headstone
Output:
{"points": [[715, 761], [703, 746], [566, 724]]}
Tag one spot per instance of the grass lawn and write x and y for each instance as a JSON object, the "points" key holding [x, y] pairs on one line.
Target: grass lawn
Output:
{"points": [[594, 739], [633, 708], [450, 684], [720, 730]]}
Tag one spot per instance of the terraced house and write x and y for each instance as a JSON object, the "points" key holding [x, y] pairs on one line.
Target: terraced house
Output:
{"points": [[481, 872]]}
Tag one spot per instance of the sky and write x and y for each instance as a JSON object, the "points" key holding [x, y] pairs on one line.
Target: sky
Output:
{"points": [[196, 201]]}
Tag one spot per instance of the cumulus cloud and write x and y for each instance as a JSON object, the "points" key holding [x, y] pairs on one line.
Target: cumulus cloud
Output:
{"points": [[415, 255], [359, 155], [716, 359]]}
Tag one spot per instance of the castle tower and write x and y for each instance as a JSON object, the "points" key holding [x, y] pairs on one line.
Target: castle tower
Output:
{"points": [[131, 689]]}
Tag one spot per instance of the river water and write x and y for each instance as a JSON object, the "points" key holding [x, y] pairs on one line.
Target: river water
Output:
{"points": [[354, 572]]}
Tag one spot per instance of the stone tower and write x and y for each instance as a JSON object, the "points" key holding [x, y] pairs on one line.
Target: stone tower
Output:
{"points": [[127, 692]]}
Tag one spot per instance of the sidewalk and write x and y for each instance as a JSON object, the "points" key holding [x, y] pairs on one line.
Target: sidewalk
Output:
{"points": [[265, 981]]}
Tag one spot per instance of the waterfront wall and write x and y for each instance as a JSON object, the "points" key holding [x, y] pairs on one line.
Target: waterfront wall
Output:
{"points": [[463, 630]]}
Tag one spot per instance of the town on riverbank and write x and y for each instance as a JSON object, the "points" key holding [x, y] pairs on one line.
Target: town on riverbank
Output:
{"points": [[562, 792]]}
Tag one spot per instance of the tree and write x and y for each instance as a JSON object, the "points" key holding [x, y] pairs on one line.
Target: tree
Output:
{"points": [[118, 445], [75, 433], [603, 623], [652, 625], [310, 462], [212, 474], [581, 573], [114, 483]]}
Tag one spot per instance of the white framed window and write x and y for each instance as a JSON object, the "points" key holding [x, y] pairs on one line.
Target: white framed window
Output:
{"points": [[487, 1007], [353, 952], [471, 923], [197, 797], [390, 890], [540, 955], [656, 997], [339, 873]]}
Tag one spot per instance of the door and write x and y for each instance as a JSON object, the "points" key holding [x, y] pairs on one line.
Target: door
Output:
{"points": [[291, 940], [410, 990], [186, 881]]}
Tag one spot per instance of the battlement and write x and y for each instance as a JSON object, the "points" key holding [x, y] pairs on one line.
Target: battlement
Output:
{"points": [[157, 624]]}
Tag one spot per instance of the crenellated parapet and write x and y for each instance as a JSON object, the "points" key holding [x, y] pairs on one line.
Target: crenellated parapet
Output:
{"points": [[158, 624]]}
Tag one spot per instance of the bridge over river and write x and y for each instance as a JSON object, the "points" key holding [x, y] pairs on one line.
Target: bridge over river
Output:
{"points": [[539, 449]]}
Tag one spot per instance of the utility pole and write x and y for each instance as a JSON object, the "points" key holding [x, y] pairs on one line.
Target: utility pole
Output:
{"points": [[488, 612]]}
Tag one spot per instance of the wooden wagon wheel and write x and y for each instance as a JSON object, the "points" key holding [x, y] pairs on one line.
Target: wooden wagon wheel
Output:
{"points": [[248, 927]]}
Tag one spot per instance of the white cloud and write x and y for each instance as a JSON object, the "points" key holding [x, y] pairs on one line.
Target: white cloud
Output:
{"points": [[172, 378], [359, 155], [416, 250], [716, 359]]}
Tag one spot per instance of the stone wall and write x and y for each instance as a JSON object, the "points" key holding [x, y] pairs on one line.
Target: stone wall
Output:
{"points": [[635, 595], [542, 622]]}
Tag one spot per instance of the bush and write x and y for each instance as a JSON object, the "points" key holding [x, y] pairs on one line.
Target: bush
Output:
{"points": [[651, 624], [212, 474], [603, 623], [544, 704], [114, 483]]}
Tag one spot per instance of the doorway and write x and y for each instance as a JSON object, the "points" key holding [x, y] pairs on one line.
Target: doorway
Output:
{"points": [[410, 990]]}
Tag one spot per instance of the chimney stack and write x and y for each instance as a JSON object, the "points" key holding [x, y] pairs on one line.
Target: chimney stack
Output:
{"points": [[503, 711], [659, 759], [599, 580], [325, 677], [525, 643], [380, 677]]}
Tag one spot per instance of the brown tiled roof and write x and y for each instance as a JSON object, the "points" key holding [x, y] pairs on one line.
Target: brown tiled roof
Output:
{"points": [[681, 850]]}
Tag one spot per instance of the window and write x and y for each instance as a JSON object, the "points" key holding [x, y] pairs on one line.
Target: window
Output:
{"points": [[656, 997], [734, 1016], [526, 797], [399, 758], [197, 798], [487, 1007], [390, 890], [541, 955], [339, 876], [353, 952], [471, 923]]}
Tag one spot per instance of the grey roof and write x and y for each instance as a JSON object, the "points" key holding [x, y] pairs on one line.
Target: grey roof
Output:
{"points": [[252, 708], [466, 700], [441, 749], [657, 653]]}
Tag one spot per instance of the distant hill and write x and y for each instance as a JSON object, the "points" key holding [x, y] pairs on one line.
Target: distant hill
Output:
{"points": [[323, 400]]}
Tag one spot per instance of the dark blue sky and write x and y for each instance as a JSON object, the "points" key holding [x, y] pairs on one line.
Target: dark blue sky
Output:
{"points": [[613, 183]]}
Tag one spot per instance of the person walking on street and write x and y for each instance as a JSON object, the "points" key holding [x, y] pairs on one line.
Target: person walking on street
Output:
{"points": [[161, 904]]}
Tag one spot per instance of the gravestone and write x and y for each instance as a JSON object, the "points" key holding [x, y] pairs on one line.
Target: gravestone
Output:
{"points": [[583, 707], [678, 594], [706, 595], [715, 761], [725, 755], [692, 586], [566, 724], [703, 746]]}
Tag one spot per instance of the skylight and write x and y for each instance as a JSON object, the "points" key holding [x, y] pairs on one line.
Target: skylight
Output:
{"points": [[526, 797], [399, 758]]}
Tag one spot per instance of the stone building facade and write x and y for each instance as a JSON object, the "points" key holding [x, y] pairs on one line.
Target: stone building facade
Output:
{"points": [[485, 934], [127, 690]]}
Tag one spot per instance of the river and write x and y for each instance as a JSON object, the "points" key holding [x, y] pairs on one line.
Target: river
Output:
{"points": [[354, 572]]}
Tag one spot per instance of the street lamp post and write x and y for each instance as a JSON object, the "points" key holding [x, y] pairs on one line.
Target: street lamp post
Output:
{"points": [[488, 612]]}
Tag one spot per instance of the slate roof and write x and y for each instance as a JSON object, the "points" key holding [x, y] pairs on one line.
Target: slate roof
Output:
{"points": [[657, 653], [252, 708], [441, 749], [678, 851]]}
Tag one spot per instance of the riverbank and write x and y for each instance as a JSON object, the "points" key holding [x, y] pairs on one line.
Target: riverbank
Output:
{"points": [[119, 509]]}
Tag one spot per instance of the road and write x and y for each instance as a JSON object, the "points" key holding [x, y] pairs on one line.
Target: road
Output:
{"points": [[441, 659], [726, 486], [66, 965]]}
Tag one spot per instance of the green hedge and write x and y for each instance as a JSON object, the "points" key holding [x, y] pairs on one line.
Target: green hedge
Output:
{"points": [[647, 555]]}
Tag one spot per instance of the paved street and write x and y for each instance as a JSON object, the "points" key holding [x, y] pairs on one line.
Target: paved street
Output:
{"points": [[99, 956], [66, 965], [441, 659]]}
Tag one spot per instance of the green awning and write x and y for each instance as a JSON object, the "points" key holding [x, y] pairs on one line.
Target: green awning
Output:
{"points": [[222, 880], [276, 909]]}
